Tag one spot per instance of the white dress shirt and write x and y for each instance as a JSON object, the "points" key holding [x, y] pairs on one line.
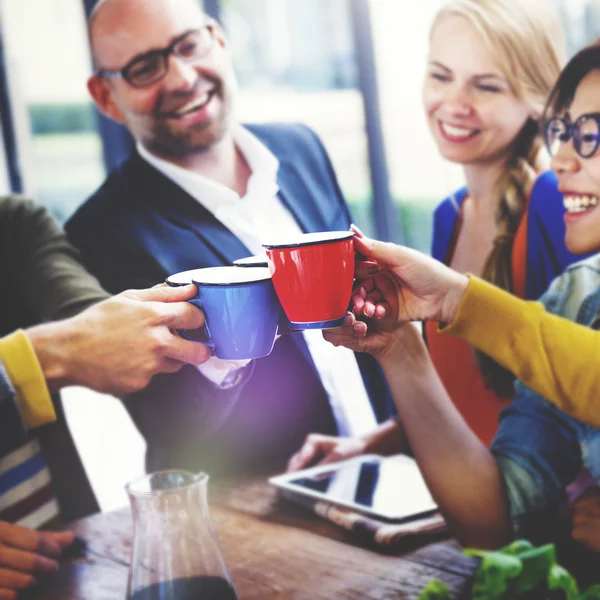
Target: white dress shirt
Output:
{"points": [[252, 218]]}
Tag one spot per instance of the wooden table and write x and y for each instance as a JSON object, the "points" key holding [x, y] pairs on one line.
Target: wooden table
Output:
{"points": [[274, 550]]}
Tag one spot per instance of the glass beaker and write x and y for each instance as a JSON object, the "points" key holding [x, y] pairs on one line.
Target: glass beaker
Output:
{"points": [[175, 554]]}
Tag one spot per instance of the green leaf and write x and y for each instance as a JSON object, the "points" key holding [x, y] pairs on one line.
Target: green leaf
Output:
{"points": [[537, 564], [517, 547], [435, 590], [494, 574], [592, 593], [560, 579]]}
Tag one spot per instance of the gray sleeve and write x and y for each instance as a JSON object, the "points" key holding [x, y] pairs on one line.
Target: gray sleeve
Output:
{"points": [[46, 268]]}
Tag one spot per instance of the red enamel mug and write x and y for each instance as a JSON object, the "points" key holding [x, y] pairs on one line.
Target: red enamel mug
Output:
{"points": [[313, 276]]}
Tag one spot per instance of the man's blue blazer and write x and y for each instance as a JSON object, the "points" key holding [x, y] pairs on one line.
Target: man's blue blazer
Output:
{"points": [[138, 228]]}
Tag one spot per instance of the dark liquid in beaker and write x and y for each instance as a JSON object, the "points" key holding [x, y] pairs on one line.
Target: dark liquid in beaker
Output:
{"points": [[193, 588]]}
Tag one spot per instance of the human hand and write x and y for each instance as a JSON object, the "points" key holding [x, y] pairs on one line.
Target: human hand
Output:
{"points": [[386, 439], [26, 554], [395, 283], [118, 345], [321, 449], [404, 341], [586, 519]]}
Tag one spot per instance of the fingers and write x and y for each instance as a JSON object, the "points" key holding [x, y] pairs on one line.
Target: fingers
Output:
{"points": [[385, 253], [382, 311], [333, 457], [357, 302], [169, 365], [162, 293], [24, 552], [63, 538], [303, 458], [180, 315], [346, 335], [180, 352], [363, 269], [314, 446], [27, 562], [371, 304], [29, 539], [348, 332], [357, 231], [379, 300], [374, 308], [13, 580], [349, 321]]}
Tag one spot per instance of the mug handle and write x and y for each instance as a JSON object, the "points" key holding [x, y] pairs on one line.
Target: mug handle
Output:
{"points": [[202, 334]]}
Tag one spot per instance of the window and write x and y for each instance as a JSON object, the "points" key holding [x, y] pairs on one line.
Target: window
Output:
{"points": [[581, 22], [295, 62], [60, 152], [4, 183], [419, 177]]}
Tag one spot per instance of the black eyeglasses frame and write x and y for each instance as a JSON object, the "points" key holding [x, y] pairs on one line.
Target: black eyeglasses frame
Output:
{"points": [[572, 131], [163, 54]]}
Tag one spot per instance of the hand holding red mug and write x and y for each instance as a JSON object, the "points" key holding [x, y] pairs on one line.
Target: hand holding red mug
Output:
{"points": [[397, 284], [312, 275]]}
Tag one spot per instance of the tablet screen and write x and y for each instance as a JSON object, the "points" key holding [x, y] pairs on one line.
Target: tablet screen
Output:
{"points": [[393, 486]]}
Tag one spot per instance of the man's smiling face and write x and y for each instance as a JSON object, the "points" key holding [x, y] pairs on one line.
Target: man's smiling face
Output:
{"points": [[190, 108]]}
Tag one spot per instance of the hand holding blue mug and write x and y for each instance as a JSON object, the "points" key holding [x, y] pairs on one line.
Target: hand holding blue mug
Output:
{"points": [[242, 311]]}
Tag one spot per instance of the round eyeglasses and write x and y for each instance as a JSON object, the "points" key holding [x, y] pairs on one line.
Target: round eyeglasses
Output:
{"points": [[585, 133], [148, 68]]}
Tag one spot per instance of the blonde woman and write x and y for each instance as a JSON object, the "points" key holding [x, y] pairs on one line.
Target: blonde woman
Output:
{"points": [[490, 68]]}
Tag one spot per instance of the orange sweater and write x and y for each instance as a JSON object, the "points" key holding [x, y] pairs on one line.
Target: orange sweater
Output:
{"points": [[455, 361]]}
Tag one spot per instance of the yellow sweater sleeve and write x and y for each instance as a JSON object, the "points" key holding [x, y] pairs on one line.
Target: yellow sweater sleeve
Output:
{"points": [[25, 373], [551, 355]]}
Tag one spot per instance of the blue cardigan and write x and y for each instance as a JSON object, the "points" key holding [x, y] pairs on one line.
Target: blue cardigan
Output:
{"points": [[547, 255]]}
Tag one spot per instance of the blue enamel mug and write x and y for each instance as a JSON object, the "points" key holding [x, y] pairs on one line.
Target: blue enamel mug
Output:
{"points": [[241, 310]]}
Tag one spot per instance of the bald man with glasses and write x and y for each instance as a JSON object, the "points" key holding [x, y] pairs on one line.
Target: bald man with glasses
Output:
{"points": [[202, 190]]}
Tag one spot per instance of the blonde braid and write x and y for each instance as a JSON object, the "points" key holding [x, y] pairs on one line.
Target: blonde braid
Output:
{"points": [[513, 189]]}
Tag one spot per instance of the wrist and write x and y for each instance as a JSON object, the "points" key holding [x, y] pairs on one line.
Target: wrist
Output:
{"points": [[458, 284], [405, 347], [50, 342]]}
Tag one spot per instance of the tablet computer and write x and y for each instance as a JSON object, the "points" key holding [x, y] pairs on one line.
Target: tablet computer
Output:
{"points": [[386, 488]]}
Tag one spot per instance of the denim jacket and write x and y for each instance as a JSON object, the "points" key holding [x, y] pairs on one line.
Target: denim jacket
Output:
{"points": [[540, 449]]}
